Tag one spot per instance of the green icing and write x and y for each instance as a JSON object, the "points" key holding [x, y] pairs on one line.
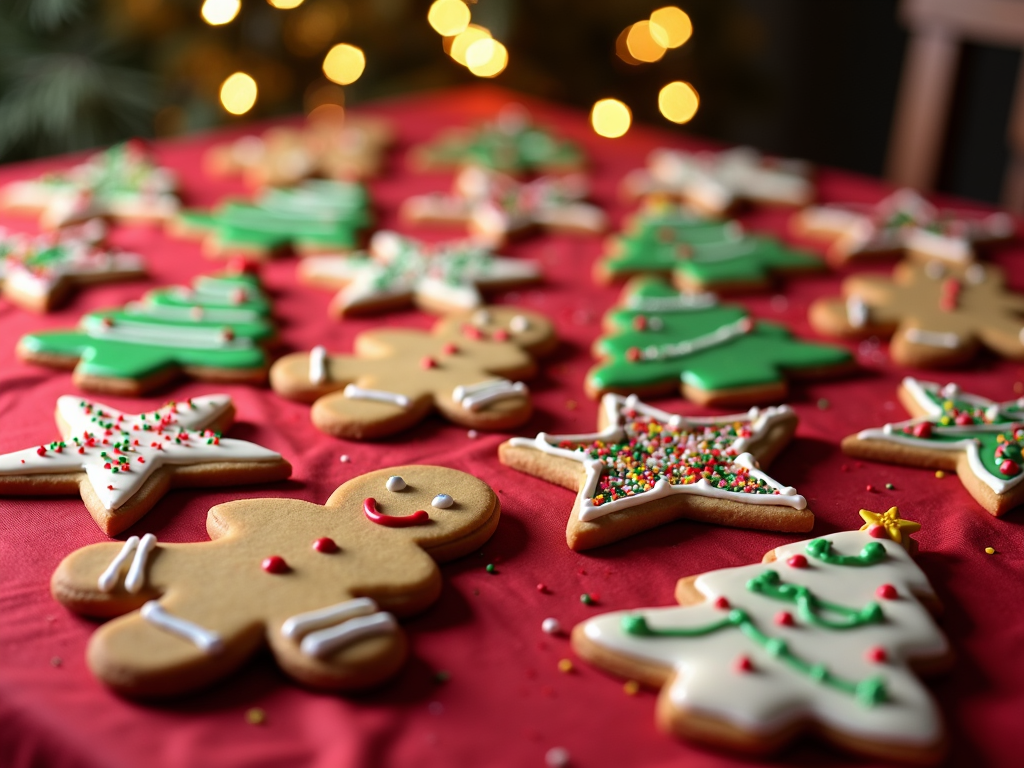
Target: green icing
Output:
{"points": [[318, 213], [167, 328], [710, 253], [760, 356], [520, 150], [811, 609], [821, 549]]}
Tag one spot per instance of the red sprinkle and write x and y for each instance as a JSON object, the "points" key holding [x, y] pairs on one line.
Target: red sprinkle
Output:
{"points": [[427, 363], [542, 588], [877, 654], [274, 564], [869, 488], [887, 592], [743, 664], [922, 430], [784, 619], [640, 323], [471, 332], [325, 544], [1009, 467], [449, 349], [722, 603], [797, 561], [633, 354], [41, 450], [500, 335]]}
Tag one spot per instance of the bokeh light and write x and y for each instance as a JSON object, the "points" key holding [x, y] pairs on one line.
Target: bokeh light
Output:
{"points": [[672, 26], [678, 101], [285, 5], [486, 58], [461, 42], [610, 118], [217, 12], [448, 17], [643, 43], [344, 63], [238, 93]]}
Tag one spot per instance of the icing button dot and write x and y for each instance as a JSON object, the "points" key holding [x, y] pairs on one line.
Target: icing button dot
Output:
{"points": [[797, 561], [325, 545], [274, 564], [500, 335], [743, 664], [449, 349], [722, 603], [784, 619], [519, 323], [442, 501], [877, 654], [396, 483], [887, 592], [427, 363], [877, 532]]}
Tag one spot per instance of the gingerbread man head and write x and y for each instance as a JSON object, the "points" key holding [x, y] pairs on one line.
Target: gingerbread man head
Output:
{"points": [[467, 368], [321, 585]]}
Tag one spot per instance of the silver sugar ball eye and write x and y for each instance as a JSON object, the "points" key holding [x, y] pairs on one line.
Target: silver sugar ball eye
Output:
{"points": [[442, 501], [519, 324], [395, 483]]}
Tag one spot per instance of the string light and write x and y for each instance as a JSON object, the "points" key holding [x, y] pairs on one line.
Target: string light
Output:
{"points": [[285, 5], [610, 118], [461, 42], [448, 17], [486, 58], [646, 42], [344, 63], [678, 101], [238, 93], [217, 12], [673, 25]]}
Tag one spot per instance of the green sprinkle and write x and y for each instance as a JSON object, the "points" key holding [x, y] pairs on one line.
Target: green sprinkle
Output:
{"points": [[889, 486], [490, 568], [586, 599]]}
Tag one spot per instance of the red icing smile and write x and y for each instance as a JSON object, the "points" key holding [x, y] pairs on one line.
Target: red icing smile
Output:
{"points": [[419, 517]]}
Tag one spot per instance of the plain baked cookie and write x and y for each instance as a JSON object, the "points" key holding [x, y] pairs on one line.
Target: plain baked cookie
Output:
{"points": [[320, 585], [467, 368], [123, 463], [659, 341], [645, 467], [823, 636], [980, 439]]}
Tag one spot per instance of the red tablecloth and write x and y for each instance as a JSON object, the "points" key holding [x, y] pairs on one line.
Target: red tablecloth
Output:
{"points": [[506, 703]]}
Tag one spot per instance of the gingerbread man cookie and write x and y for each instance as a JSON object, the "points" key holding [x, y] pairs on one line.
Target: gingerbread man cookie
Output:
{"points": [[512, 143], [40, 273], [713, 183], [352, 148], [902, 222], [320, 585], [646, 467], [123, 464], [826, 635], [315, 216], [214, 331], [662, 341], [467, 368], [494, 206], [699, 255], [396, 272], [950, 429], [121, 183], [936, 316]]}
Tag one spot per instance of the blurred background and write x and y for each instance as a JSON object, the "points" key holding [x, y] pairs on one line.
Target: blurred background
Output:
{"points": [[794, 77]]}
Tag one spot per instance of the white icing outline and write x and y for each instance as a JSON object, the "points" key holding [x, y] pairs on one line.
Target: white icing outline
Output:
{"points": [[326, 630], [206, 640], [932, 338], [473, 397], [352, 392]]}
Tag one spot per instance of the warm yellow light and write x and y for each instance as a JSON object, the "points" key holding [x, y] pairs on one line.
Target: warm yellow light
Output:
{"points": [[448, 17], [238, 93], [285, 5], [217, 12], [462, 41], [643, 44], [610, 118], [678, 101], [673, 26], [486, 58], [344, 63]]}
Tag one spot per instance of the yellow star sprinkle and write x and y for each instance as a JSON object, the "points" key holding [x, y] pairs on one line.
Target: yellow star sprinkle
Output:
{"points": [[891, 522]]}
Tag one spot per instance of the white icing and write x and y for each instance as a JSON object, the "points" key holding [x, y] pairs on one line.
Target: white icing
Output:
{"points": [[932, 338], [774, 696], [856, 312], [302, 624], [352, 392], [519, 324], [473, 397], [207, 641], [326, 630], [614, 406], [317, 365], [442, 501], [77, 258], [717, 337], [395, 483], [114, 489], [680, 302]]}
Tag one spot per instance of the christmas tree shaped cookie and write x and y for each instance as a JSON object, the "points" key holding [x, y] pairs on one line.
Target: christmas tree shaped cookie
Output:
{"points": [[980, 439], [316, 216], [494, 206], [699, 255], [903, 221], [937, 316], [213, 331], [123, 463], [827, 635], [396, 272], [660, 341], [713, 183], [320, 586], [646, 467], [40, 273], [120, 183], [512, 143]]}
